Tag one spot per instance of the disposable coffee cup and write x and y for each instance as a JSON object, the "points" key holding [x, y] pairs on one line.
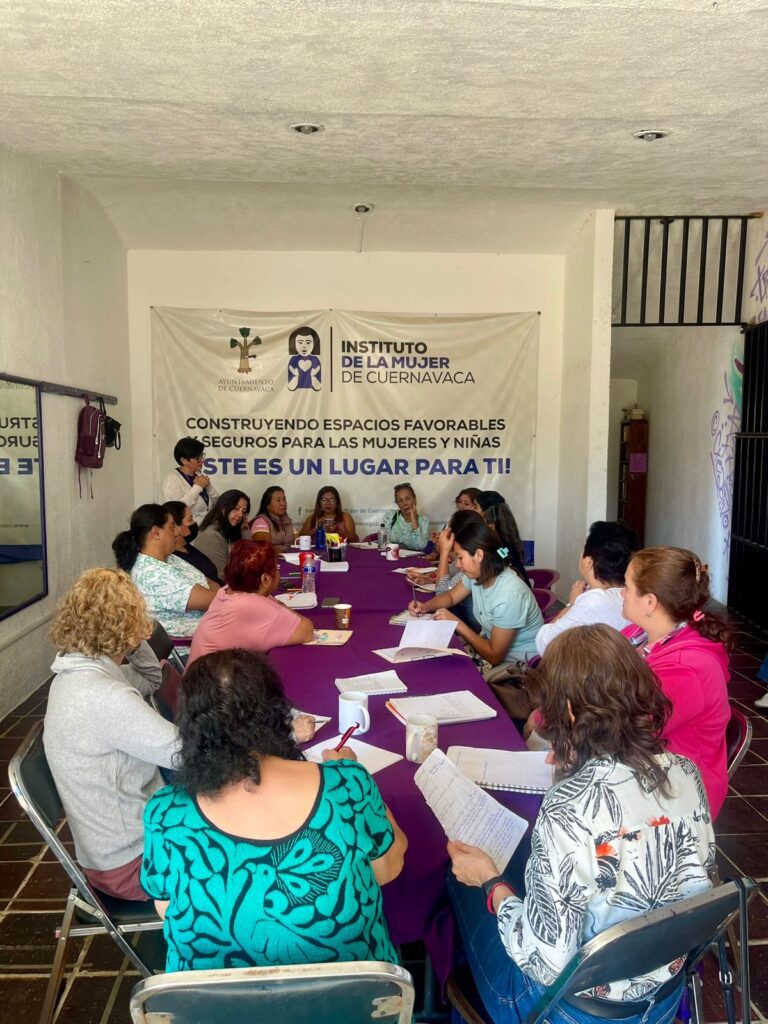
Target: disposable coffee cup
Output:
{"points": [[305, 542], [420, 737], [343, 613]]}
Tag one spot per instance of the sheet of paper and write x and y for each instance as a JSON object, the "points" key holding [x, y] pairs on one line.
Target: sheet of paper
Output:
{"points": [[290, 558], [467, 812], [372, 758], [373, 682], [320, 720], [334, 566], [524, 770], [329, 638], [423, 632], [403, 617], [297, 600], [407, 553], [401, 655], [458, 706], [401, 570], [365, 545], [426, 588]]}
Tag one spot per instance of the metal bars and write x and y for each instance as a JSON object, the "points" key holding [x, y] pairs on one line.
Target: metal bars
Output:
{"points": [[684, 271]]}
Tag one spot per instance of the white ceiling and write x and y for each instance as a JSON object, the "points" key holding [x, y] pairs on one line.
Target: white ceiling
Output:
{"points": [[459, 119]]}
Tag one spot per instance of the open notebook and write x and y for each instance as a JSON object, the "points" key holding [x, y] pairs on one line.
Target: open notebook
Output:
{"points": [[447, 708], [423, 638], [519, 771]]}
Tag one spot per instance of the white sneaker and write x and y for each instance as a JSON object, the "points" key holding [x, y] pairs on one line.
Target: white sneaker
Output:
{"points": [[762, 702]]}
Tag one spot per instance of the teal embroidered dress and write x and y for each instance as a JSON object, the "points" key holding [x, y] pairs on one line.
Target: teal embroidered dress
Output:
{"points": [[309, 897]]}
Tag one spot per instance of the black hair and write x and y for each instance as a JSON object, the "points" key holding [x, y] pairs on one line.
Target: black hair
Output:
{"points": [[128, 544], [498, 515], [475, 534], [404, 487], [232, 713], [473, 493], [610, 545], [188, 448], [217, 516], [303, 332], [265, 500], [177, 510], [463, 516]]}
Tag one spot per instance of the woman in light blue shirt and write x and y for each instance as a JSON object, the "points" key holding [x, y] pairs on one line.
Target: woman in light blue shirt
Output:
{"points": [[406, 527], [504, 606]]}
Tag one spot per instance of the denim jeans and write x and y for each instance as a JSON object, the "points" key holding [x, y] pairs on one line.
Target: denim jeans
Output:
{"points": [[508, 993]]}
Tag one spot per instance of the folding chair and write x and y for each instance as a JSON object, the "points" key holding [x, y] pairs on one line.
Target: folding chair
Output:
{"points": [[166, 696], [638, 946], [165, 646], [543, 579], [88, 912], [738, 736], [320, 993], [545, 599]]}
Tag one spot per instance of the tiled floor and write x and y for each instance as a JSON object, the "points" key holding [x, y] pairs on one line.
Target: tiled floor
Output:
{"points": [[33, 887]]}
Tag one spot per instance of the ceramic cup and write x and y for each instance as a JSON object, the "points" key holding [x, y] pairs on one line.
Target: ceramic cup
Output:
{"points": [[393, 552], [353, 707], [420, 737], [343, 613], [305, 542]]}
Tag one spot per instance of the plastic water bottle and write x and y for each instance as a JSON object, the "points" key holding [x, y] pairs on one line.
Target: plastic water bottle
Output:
{"points": [[309, 576], [382, 537], [320, 538]]}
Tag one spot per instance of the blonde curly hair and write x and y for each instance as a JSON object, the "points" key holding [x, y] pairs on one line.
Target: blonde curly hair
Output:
{"points": [[103, 614]]}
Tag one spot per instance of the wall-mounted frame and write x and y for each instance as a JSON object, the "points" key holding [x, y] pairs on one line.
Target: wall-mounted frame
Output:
{"points": [[23, 551]]}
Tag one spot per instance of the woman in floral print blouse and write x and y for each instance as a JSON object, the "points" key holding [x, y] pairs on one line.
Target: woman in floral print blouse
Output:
{"points": [[625, 828]]}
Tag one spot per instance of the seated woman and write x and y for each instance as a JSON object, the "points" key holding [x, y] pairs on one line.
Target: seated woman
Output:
{"points": [[186, 532], [406, 527], [624, 829], [102, 740], [272, 522], [599, 595], [330, 516], [505, 608], [243, 613], [498, 515], [175, 592], [665, 593], [187, 482], [222, 527], [466, 500], [281, 858]]}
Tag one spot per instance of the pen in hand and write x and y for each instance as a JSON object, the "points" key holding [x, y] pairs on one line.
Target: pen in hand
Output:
{"points": [[346, 736]]}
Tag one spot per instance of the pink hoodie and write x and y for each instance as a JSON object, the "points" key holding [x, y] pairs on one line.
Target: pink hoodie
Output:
{"points": [[693, 673]]}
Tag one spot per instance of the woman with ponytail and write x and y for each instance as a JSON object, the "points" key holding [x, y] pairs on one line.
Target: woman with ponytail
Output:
{"points": [[666, 590]]}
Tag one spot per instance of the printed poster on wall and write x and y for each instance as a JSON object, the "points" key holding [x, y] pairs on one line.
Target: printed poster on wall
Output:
{"points": [[360, 401]]}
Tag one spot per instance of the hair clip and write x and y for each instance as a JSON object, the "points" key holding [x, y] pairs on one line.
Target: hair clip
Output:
{"points": [[502, 552], [698, 615], [700, 568]]}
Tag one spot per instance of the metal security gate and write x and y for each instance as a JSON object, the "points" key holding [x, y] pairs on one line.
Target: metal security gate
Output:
{"points": [[748, 574]]}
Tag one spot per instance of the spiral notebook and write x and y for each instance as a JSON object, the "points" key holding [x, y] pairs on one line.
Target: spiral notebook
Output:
{"points": [[448, 708], [517, 771], [373, 683]]}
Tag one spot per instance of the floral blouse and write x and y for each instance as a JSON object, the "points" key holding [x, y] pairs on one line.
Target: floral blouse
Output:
{"points": [[603, 850]]}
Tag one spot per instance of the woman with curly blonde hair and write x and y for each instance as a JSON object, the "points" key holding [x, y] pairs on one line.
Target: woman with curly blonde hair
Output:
{"points": [[103, 742]]}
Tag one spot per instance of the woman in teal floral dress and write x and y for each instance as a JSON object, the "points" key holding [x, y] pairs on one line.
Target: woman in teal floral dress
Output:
{"points": [[258, 857]]}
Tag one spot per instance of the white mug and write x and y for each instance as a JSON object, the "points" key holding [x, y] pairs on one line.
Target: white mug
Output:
{"points": [[393, 552], [420, 737], [305, 542], [353, 709]]}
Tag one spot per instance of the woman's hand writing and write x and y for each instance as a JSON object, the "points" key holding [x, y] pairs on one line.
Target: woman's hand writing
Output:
{"points": [[345, 754]]}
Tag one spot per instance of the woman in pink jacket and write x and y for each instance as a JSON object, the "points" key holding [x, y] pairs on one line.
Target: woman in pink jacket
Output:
{"points": [[664, 596]]}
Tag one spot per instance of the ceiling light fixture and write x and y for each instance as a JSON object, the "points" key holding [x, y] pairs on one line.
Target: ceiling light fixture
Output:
{"points": [[307, 128], [649, 134], [362, 207]]}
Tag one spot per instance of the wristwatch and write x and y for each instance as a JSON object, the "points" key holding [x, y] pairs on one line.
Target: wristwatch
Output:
{"points": [[489, 887]]}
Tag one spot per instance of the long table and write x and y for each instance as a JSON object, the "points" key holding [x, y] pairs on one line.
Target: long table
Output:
{"points": [[415, 903]]}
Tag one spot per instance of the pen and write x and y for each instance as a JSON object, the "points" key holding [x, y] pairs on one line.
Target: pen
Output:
{"points": [[346, 736]]}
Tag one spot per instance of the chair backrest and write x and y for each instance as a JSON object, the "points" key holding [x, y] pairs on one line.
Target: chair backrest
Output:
{"points": [[320, 993], [167, 693], [543, 579], [644, 943], [160, 642], [545, 599], [738, 736]]}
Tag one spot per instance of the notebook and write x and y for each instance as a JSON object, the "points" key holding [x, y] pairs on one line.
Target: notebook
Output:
{"points": [[520, 771], [447, 708], [373, 683], [466, 812], [370, 757], [297, 600], [423, 638], [404, 617], [329, 638]]}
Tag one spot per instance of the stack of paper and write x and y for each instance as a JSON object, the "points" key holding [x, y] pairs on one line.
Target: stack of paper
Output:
{"points": [[466, 812], [370, 757], [373, 683], [522, 771], [423, 638], [447, 708]]}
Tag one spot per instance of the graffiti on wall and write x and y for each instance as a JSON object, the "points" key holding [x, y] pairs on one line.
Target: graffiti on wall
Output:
{"points": [[726, 423], [759, 290]]}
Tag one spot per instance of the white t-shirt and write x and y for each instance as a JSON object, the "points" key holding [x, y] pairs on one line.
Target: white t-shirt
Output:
{"points": [[589, 608]]}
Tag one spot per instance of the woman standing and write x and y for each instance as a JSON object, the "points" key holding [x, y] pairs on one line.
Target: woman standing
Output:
{"points": [[222, 527], [272, 522], [505, 608], [624, 829], [175, 592], [330, 516], [406, 527], [282, 859], [664, 597], [187, 482]]}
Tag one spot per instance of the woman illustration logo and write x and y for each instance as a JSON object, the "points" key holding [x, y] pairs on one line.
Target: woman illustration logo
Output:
{"points": [[304, 362]]}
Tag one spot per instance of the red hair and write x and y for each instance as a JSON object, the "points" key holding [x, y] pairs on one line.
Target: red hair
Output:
{"points": [[248, 561]]}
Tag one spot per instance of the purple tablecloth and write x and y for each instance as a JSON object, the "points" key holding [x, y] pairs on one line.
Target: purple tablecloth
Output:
{"points": [[415, 902]]}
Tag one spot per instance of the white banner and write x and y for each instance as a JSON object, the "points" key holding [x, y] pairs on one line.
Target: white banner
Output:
{"points": [[360, 401]]}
